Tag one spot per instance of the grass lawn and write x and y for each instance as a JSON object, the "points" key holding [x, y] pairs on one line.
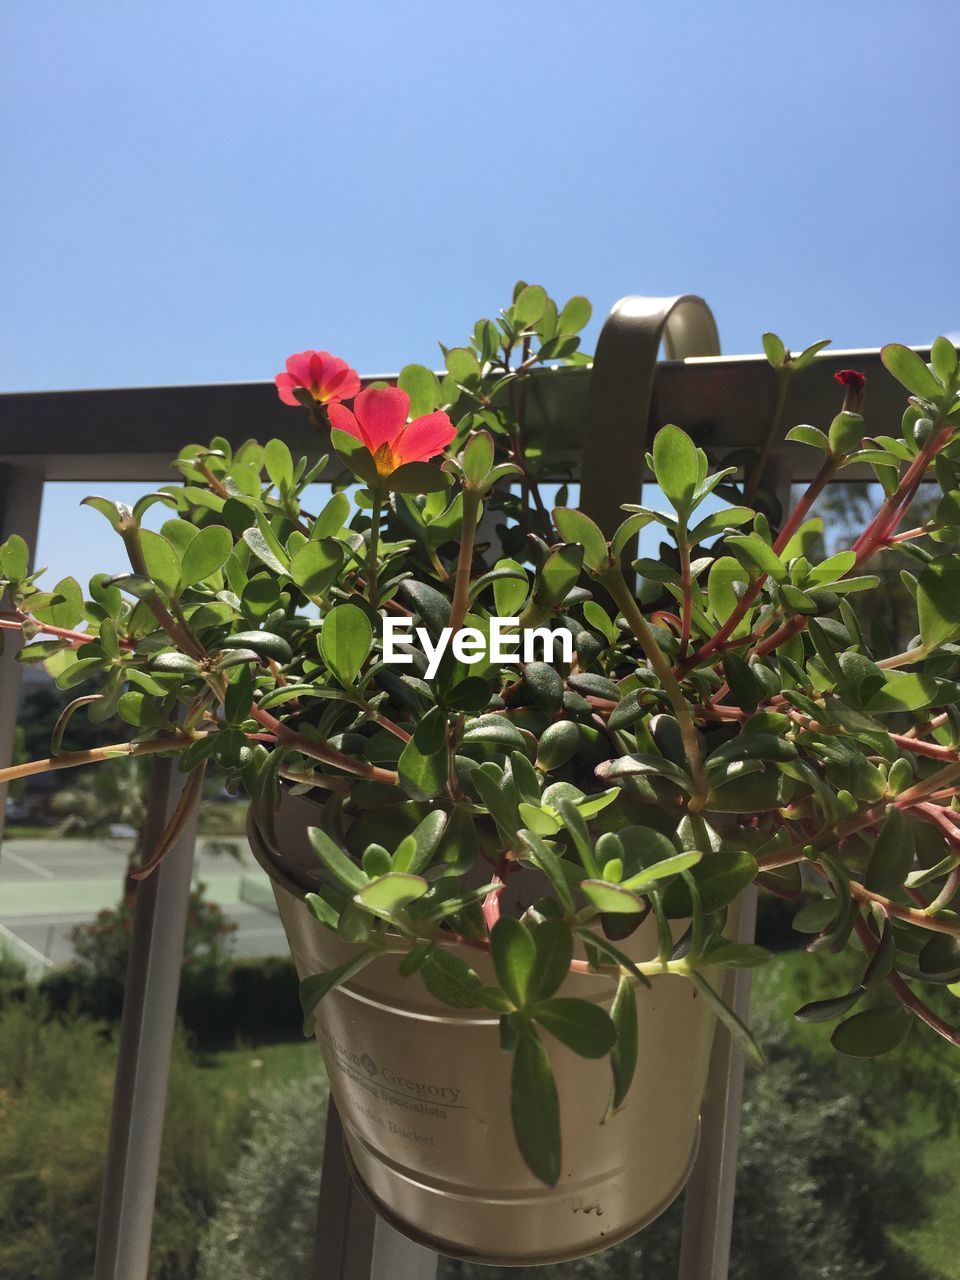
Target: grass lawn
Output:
{"points": [[247, 1070]]}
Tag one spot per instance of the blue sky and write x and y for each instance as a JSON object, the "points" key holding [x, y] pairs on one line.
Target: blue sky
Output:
{"points": [[192, 191]]}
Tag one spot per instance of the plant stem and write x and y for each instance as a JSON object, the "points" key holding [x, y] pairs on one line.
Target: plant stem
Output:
{"points": [[96, 755], [686, 587], [614, 582], [783, 383], [912, 915], [472, 503], [793, 523], [373, 585], [320, 750], [649, 968], [904, 659], [911, 1002], [883, 524]]}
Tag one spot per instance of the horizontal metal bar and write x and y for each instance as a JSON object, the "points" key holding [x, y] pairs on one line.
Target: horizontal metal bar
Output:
{"points": [[132, 433]]}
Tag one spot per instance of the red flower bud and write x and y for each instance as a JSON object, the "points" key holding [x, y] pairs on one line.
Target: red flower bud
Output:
{"points": [[854, 381], [851, 378]]}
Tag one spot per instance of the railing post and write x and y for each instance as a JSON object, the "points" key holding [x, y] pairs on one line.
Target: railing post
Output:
{"points": [[21, 493], [146, 1040], [620, 407]]}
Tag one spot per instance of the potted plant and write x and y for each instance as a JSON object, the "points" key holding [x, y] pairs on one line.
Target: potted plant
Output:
{"points": [[508, 794]]}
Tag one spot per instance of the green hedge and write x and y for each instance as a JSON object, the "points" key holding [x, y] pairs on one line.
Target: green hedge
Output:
{"points": [[256, 1002]]}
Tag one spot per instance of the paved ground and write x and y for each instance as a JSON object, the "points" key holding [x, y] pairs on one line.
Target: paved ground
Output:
{"points": [[47, 887]]}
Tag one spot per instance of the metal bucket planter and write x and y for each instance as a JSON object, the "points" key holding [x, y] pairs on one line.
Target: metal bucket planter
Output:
{"points": [[423, 1089]]}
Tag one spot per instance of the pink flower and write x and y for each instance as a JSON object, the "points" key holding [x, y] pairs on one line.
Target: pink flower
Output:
{"points": [[379, 420], [327, 378]]}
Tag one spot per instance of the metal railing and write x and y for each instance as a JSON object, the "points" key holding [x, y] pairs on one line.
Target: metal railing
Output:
{"points": [[725, 403]]}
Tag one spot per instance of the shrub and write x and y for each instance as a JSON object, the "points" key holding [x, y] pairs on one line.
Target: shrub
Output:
{"points": [[819, 1181], [56, 1082], [256, 1002], [264, 1225], [103, 947]]}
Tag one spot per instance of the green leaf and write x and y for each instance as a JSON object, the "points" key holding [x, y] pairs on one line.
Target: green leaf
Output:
{"points": [[258, 544], [872, 1032], [338, 863], [745, 688], [552, 866], [477, 459], [938, 601], [774, 350], [660, 870], [535, 1108], [514, 955], [892, 857], [279, 464], [723, 599], [510, 593], [735, 955], [943, 357], [583, 1027], [574, 316], [332, 518], [416, 477], [719, 877], [625, 533], [355, 455], [810, 435], [462, 365], [494, 730], [805, 358], [940, 958], [737, 1028], [15, 555], [610, 898], [315, 565], [423, 388], [830, 1009], [205, 554], [161, 559], [66, 606], [450, 979], [554, 944], [345, 641], [760, 554], [720, 520], [114, 512], [415, 851], [909, 369], [904, 691], [576, 527], [178, 663], [623, 1057], [389, 894], [558, 575], [314, 988], [423, 762], [675, 467], [530, 304], [265, 643]]}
